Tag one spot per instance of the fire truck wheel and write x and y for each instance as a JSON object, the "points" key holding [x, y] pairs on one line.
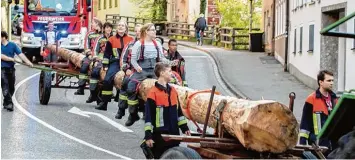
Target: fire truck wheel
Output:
{"points": [[180, 153], [45, 84]]}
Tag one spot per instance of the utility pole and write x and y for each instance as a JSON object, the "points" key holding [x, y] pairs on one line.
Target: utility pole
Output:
{"points": [[9, 18]]}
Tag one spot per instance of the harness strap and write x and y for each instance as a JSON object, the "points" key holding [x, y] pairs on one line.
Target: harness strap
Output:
{"points": [[189, 98], [141, 57]]}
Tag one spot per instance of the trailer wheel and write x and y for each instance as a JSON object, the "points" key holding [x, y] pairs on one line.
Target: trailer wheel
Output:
{"points": [[45, 85], [180, 153]]}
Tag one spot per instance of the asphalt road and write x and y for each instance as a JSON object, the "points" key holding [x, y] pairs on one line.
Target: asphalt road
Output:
{"points": [[34, 131]]}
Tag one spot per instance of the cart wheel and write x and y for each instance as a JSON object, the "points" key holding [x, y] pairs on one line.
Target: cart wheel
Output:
{"points": [[180, 153], [308, 155], [45, 84]]}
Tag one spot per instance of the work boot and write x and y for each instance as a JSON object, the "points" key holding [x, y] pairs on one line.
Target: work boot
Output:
{"points": [[80, 91], [102, 106], [92, 97], [10, 107], [120, 113], [131, 119]]}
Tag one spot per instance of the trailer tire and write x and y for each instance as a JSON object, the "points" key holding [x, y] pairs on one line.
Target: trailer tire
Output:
{"points": [[45, 85], [180, 153], [308, 155]]}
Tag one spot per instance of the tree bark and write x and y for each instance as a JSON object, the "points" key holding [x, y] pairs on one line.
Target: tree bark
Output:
{"points": [[263, 126]]}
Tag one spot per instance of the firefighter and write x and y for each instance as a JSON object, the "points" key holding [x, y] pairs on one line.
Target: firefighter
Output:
{"points": [[173, 54], [8, 51], [163, 113], [316, 110], [111, 63], [145, 53], [99, 49], [96, 26], [128, 69]]}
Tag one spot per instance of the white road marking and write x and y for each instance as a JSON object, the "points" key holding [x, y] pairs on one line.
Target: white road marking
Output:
{"points": [[24, 111], [122, 128]]}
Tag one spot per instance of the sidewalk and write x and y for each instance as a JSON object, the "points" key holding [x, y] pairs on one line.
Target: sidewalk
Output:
{"points": [[256, 75]]}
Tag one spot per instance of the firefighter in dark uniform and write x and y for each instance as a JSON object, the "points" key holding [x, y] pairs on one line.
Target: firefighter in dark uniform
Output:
{"points": [[111, 61], [8, 51], [125, 63], [316, 110], [173, 54], [89, 50], [163, 113], [99, 49], [145, 53]]}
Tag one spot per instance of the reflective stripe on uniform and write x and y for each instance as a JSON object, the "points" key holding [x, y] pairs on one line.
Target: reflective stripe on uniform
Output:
{"points": [[94, 81], [182, 120], [316, 123], [148, 126], [106, 92], [304, 133], [132, 103], [114, 52], [122, 97], [82, 76], [159, 117], [105, 61]]}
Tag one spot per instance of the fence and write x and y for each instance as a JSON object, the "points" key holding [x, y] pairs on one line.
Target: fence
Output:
{"points": [[226, 37]]}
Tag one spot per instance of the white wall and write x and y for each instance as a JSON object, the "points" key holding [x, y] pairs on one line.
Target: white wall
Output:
{"points": [[194, 10], [307, 63], [127, 8], [350, 54]]}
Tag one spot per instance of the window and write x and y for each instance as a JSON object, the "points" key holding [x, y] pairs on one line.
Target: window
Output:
{"points": [[110, 3], [116, 3], [354, 39], [311, 38], [301, 32], [105, 4], [295, 41], [99, 4]]}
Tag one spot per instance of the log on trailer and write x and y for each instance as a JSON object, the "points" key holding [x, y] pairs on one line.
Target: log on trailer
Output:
{"points": [[263, 126]]}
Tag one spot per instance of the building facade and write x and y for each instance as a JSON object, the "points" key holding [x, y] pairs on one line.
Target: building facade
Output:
{"points": [[185, 11], [267, 22], [310, 52], [280, 31], [121, 7]]}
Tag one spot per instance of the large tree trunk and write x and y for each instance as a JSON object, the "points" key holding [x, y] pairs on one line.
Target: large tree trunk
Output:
{"points": [[259, 125]]}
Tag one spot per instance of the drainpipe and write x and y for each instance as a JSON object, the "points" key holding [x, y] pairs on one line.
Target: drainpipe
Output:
{"points": [[273, 26], [287, 33]]}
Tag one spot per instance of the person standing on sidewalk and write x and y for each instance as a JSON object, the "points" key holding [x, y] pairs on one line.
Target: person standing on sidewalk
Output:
{"points": [[316, 110], [200, 26], [8, 78], [172, 55], [111, 61], [163, 113]]}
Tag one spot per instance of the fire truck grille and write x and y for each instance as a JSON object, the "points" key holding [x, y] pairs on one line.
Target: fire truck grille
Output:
{"points": [[59, 26]]}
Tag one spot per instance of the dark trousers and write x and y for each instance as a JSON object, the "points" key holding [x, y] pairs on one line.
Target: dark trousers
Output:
{"points": [[160, 146], [122, 98], [107, 87], [84, 69], [8, 79], [132, 95], [95, 76]]}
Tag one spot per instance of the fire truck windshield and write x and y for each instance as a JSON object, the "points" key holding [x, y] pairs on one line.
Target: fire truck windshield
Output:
{"points": [[52, 7]]}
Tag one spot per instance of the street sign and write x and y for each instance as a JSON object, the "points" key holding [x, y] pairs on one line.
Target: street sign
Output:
{"points": [[213, 16]]}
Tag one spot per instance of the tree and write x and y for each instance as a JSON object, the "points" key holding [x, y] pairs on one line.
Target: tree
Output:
{"points": [[235, 13], [202, 6], [151, 9]]}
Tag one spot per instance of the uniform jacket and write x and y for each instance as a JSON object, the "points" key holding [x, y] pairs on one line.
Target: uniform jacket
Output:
{"points": [[180, 68], [125, 60], [163, 113], [315, 113], [114, 47], [100, 45], [90, 40]]}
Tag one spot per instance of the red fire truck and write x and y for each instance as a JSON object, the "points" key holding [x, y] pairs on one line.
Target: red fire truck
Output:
{"points": [[71, 19]]}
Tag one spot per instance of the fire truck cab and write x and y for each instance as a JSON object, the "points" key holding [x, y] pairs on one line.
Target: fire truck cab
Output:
{"points": [[71, 19]]}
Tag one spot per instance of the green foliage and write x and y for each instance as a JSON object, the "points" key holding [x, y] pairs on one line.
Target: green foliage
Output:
{"points": [[235, 13], [151, 9], [203, 4]]}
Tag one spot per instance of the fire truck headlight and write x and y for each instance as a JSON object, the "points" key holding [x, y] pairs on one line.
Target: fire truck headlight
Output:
{"points": [[37, 31], [63, 32]]}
